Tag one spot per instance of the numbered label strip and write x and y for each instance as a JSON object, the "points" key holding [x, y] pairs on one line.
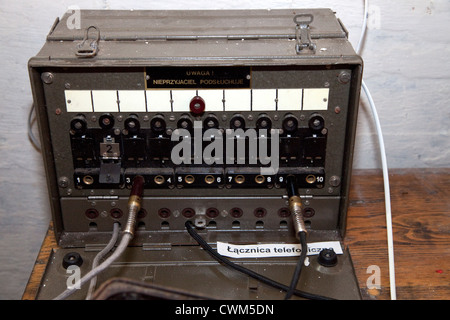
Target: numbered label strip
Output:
{"points": [[179, 100]]}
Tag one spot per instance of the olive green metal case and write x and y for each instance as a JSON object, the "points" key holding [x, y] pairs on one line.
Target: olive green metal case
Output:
{"points": [[110, 89]]}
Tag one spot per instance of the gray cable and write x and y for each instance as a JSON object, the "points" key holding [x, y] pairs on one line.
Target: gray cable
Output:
{"points": [[100, 256], [33, 139], [134, 205], [94, 272]]}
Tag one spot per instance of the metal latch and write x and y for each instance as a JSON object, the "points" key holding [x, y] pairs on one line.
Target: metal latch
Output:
{"points": [[303, 33], [87, 49]]}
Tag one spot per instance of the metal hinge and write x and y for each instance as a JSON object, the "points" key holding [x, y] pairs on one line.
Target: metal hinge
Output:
{"points": [[303, 33], [157, 246], [87, 49]]}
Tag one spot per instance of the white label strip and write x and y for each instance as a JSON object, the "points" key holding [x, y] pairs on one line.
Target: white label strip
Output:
{"points": [[105, 101], [78, 100], [237, 100], [213, 99], [315, 99], [181, 99], [290, 99], [268, 250], [158, 101], [178, 100], [131, 101], [264, 99]]}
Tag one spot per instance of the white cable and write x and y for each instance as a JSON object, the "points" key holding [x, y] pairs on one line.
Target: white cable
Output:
{"points": [[387, 197], [100, 256], [384, 165], [364, 26]]}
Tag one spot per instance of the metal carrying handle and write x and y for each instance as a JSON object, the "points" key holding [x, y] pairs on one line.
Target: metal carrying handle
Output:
{"points": [[85, 50], [297, 18]]}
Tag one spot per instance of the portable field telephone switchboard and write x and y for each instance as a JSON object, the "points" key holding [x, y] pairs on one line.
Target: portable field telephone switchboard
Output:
{"points": [[240, 125]]}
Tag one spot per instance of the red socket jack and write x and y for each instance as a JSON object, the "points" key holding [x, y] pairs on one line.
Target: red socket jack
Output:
{"points": [[197, 105]]}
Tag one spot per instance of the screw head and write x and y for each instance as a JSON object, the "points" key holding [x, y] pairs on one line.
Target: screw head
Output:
{"points": [[63, 182], [47, 77], [344, 77], [335, 181]]}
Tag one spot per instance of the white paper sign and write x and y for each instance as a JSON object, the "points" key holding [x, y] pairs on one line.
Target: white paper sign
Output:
{"points": [[267, 250]]}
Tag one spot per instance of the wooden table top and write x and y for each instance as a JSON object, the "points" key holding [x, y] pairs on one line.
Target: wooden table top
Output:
{"points": [[420, 200]]}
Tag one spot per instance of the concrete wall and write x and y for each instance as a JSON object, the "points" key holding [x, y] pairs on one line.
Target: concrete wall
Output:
{"points": [[406, 67]]}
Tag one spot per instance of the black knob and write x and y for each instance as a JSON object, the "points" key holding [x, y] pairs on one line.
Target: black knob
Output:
{"points": [[185, 122], [316, 122], [132, 124], [106, 121], [327, 258], [158, 124], [290, 123], [264, 122], [211, 122], [237, 122], [72, 259], [78, 125]]}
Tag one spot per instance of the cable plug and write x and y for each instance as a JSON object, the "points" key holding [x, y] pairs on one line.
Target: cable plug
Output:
{"points": [[295, 206], [134, 204]]}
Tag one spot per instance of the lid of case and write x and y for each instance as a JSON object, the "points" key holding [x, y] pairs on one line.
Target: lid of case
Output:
{"points": [[121, 25]]}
